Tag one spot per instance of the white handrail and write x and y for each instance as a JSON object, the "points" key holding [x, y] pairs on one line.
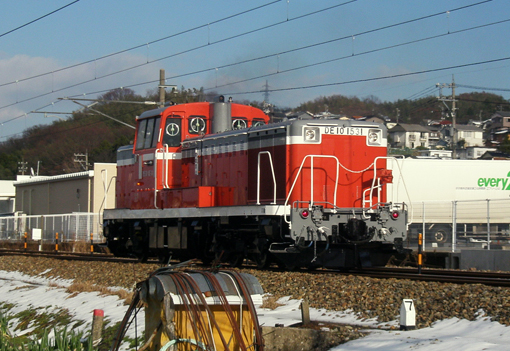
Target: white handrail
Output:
{"points": [[165, 161], [311, 186], [258, 177], [156, 178]]}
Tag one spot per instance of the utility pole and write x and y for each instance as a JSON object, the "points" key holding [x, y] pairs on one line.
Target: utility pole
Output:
{"points": [[161, 88], [22, 167], [83, 160], [453, 110]]}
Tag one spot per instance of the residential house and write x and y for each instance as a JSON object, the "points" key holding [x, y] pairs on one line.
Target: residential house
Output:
{"points": [[409, 136], [473, 152], [495, 155], [497, 128]]}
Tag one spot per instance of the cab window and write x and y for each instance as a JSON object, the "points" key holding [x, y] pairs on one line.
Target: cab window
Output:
{"points": [[140, 134], [172, 132], [148, 133], [197, 125], [239, 123]]}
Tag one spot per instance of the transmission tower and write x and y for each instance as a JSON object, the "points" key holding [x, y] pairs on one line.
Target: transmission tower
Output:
{"points": [[266, 92]]}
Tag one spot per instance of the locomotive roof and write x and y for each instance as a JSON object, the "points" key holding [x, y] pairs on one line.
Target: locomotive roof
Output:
{"points": [[152, 113], [292, 122]]}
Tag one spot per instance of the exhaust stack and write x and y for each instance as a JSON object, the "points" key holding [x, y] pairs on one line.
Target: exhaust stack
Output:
{"points": [[222, 116]]}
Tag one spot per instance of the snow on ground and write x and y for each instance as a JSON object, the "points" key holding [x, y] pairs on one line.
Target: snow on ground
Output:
{"points": [[38, 292]]}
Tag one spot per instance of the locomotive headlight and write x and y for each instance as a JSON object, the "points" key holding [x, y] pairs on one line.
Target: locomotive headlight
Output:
{"points": [[374, 137], [311, 134]]}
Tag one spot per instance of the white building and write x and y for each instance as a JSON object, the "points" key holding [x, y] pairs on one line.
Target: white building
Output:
{"points": [[7, 196], [409, 136]]}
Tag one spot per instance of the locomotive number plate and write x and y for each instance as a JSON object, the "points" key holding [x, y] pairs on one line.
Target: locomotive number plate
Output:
{"points": [[343, 130]]}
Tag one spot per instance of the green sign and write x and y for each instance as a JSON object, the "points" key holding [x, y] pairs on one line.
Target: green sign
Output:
{"points": [[503, 183]]}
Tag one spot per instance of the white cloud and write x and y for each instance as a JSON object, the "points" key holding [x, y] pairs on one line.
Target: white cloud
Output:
{"points": [[30, 94]]}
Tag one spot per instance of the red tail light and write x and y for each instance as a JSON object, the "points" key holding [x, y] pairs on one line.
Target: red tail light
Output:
{"points": [[305, 213], [395, 214]]}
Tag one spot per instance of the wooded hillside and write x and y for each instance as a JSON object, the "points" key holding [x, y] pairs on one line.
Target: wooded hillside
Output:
{"points": [[54, 145]]}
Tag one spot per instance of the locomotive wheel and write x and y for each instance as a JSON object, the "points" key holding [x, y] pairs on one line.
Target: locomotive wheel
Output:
{"points": [[142, 257], [440, 234], [262, 260], [236, 259], [163, 258]]}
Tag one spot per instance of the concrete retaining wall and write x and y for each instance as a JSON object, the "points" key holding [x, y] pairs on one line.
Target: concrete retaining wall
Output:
{"points": [[495, 260]]}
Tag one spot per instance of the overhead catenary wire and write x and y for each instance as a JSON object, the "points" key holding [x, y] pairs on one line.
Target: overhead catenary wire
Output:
{"points": [[250, 60], [308, 47], [374, 78], [37, 19], [354, 55], [166, 57], [481, 88], [139, 45], [320, 85]]}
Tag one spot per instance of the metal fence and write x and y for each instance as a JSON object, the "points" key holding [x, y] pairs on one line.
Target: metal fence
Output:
{"points": [[460, 224], [71, 227]]}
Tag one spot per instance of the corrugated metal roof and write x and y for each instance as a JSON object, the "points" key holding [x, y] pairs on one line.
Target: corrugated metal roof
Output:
{"points": [[47, 179]]}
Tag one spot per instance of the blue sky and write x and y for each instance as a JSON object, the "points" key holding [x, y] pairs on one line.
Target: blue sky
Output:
{"points": [[366, 42]]}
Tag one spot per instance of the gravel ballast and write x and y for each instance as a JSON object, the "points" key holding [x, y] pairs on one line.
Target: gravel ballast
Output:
{"points": [[369, 297]]}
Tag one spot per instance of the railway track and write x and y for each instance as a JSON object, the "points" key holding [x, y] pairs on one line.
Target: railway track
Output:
{"points": [[501, 279], [437, 275], [64, 255]]}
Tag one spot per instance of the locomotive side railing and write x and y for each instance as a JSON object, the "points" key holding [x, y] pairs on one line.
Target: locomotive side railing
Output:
{"points": [[312, 180], [156, 178], [376, 183], [165, 165], [258, 176], [376, 186]]}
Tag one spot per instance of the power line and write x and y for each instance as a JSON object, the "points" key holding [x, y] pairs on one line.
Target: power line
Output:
{"points": [[483, 101], [170, 56], [359, 54], [293, 50], [374, 79], [307, 47], [422, 93], [263, 76], [482, 88], [266, 56], [37, 19], [141, 45]]}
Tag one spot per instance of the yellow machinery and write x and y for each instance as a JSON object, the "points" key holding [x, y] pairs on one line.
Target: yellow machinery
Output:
{"points": [[198, 310]]}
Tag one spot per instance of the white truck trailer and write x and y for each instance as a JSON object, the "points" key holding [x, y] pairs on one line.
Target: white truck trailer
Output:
{"points": [[468, 198]]}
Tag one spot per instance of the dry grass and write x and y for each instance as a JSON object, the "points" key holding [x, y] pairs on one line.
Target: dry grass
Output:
{"points": [[77, 287], [81, 246], [270, 302]]}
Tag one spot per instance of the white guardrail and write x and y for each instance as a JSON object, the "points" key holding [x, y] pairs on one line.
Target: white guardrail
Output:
{"points": [[72, 227]]}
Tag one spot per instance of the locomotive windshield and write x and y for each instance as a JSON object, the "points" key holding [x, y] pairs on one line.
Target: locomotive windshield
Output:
{"points": [[148, 133]]}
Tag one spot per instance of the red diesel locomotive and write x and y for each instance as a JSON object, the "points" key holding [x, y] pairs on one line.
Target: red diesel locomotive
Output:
{"points": [[218, 181]]}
